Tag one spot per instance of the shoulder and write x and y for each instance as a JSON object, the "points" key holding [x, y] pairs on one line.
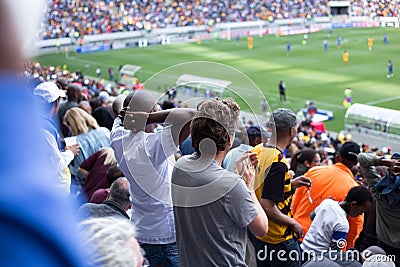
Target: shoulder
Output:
{"points": [[183, 161], [104, 130], [87, 208], [329, 203]]}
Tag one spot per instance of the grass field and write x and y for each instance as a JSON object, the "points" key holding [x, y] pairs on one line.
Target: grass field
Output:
{"points": [[308, 72]]}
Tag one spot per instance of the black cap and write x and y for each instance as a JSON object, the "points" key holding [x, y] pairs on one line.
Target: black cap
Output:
{"points": [[396, 156], [350, 150], [253, 131]]}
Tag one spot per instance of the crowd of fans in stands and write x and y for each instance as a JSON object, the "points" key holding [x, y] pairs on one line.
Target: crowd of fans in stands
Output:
{"points": [[71, 18], [382, 8], [92, 110], [191, 212]]}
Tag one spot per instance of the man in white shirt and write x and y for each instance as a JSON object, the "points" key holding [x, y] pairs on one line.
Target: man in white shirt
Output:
{"points": [[49, 95], [146, 157]]}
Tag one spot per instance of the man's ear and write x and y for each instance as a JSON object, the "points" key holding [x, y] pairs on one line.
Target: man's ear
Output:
{"points": [[231, 140]]}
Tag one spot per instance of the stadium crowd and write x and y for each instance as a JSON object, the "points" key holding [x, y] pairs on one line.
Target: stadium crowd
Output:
{"points": [[293, 191], [71, 18], [66, 17], [373, 9], [292, 170], [179, 209]]}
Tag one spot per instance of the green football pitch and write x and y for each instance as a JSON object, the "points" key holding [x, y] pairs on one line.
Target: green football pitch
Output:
{"points": [[309, 72]]}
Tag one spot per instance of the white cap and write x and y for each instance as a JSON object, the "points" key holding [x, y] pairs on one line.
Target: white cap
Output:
{"points": [[324, 137], [48, 91]]}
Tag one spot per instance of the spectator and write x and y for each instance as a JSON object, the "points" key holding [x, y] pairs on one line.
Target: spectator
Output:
{"points": [[143, 156], [117, 203], [85, 106], [103, 114], [49, 95], [387, 200], [62, 83], [111, 242], [329, 224], [74, 95], [311, 110], [33, 216], [186, 148], [117, 104], [95, 103], [274, 190], [254, 137], [333, 182], [90, 137], [303, 160], [113, 173], [215, 207], [94, 170]]}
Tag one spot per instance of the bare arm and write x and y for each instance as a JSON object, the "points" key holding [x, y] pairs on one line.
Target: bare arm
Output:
{"points": [[178, 118], [259, 226], [275, 215], [245, 167]]}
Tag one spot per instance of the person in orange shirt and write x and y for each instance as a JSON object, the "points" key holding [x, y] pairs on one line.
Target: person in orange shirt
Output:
{"points": [[345, 57], [329, 182]]}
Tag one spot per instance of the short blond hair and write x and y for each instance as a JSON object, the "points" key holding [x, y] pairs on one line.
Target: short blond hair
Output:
{"points": [[79, 121]]}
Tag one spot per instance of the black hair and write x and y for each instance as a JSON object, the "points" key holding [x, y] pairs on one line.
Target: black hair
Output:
{"points": [[359, 194], [301, 156], [167, 105], [95, 103], [113, 173]]}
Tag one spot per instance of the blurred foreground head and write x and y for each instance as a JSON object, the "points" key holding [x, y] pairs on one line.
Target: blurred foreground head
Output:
{"points": [[111, 242], [19, 24], [34, 215]]}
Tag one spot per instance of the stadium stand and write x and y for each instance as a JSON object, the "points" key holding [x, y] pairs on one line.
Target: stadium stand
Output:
{"points": [[71, 18]]}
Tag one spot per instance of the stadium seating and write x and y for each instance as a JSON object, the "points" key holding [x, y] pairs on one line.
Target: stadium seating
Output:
{"points": [[71, 18], [68, 17]]}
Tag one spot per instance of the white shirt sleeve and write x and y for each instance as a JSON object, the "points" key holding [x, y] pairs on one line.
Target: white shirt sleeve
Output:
{"points": [[60, 160]]}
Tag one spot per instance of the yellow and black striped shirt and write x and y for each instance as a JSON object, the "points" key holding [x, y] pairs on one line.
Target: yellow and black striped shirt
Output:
{"points": [[273, 182]]}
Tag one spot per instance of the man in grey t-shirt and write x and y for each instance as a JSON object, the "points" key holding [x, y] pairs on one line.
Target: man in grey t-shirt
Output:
{"points": [[212, 206]]}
